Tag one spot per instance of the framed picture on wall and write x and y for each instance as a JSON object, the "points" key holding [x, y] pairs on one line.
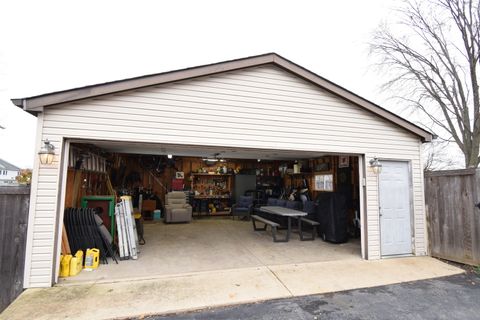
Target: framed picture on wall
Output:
{"points": [[179, 175], [343, 162]]}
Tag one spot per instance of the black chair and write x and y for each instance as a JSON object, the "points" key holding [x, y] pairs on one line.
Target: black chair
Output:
{"points": [[272, 201], [258, 196], [311, 209], [243, 208], [295, 205]]}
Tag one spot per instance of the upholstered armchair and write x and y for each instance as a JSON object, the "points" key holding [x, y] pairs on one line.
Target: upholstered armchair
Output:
{"points": [[176, 208], [243, 208]]}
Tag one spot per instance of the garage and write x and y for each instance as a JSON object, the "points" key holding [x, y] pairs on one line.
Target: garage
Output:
{"points": [[202, 130]]}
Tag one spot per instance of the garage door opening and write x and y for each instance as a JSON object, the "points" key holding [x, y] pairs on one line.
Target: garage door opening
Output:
{"points": [[216, 234]]}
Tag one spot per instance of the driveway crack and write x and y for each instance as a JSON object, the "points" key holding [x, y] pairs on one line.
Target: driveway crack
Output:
{"points": [[280, 280]]}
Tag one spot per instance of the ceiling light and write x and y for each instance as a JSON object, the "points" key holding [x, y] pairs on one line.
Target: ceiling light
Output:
{"points": [[169, 156]]}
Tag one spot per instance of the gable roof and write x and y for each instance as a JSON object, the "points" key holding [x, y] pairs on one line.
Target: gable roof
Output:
{"points": [[4, 165], [36, 104]]}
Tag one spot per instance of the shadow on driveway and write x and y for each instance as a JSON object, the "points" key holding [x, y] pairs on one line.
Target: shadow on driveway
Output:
{"points": [[454, 297]]}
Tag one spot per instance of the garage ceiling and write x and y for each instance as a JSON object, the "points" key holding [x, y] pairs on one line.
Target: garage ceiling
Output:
{"points": [[201, 151]]}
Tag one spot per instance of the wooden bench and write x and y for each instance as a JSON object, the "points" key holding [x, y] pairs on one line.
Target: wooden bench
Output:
{"points": [[312, 223], [273, 225]]}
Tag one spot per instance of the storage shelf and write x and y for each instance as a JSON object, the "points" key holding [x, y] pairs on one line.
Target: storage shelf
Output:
{"points": [[207, 214], [211, 174], [211, 197], [300, 174]]}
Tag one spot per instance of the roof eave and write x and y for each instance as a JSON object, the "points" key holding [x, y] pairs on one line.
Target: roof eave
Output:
{"points": [[30, 103], [35, 104], [352, 97]]}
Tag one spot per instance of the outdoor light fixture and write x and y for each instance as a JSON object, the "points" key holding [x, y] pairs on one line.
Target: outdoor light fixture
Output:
{"points": [[169, 156], [376, 165], [47, 152]]}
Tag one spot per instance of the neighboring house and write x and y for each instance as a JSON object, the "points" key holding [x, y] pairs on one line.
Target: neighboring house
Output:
{"points": [[264, 105], [8, 173]]}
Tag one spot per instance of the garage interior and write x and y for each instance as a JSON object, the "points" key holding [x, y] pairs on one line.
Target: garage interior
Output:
{"points": [[213, 180]]}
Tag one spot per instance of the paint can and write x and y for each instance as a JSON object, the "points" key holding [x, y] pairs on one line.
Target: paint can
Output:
{"points": [[157, 214]]}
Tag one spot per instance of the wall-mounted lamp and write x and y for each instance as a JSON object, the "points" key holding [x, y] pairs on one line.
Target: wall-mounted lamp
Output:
{"points": [[376, 165], [47, 152]]}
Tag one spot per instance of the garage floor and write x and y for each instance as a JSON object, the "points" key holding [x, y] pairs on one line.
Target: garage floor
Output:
{"points": [[210, 244]]}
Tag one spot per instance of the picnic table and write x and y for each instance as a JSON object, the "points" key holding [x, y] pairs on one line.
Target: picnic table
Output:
{"points": [[284, 212]]}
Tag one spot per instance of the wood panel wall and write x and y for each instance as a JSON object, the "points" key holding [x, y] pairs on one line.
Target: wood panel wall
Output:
{"points": [[124, 166]]}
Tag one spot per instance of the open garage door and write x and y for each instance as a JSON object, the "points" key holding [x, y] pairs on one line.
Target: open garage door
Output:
{"points": [[211, 229]]}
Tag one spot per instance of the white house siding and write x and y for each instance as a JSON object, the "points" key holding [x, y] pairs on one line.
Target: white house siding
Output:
{"points": [[262, 107]]}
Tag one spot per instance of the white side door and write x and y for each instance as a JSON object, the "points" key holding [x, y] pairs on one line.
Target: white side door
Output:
{"points": [[395, 209]]}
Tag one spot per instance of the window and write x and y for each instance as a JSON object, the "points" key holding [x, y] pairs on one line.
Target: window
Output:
{"points": [[324, 182]]}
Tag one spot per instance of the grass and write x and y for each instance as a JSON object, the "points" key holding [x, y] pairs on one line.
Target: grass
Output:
{"points": [[477, 270]]}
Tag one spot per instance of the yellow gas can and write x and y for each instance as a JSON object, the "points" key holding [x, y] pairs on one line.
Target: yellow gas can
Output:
{"points": [[65, 265], [76, 263], [92, 257]]}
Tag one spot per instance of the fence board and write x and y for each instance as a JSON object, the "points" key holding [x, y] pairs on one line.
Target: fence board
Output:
{"points": [[453, 220], [14, 202]]}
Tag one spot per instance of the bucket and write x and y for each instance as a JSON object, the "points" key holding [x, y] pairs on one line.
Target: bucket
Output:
{"points": [[92, 257], [157, 214]]}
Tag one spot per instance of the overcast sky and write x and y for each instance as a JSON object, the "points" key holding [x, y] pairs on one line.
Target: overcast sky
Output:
{"points": [[48, 46]]}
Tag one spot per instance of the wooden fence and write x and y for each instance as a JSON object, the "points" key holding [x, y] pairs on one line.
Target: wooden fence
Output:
{"points": [[14, 202], [453, 219]]}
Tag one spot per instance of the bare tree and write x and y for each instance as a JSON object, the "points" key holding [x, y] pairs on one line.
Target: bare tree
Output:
{"points": [[434, 53], [438, 157]]}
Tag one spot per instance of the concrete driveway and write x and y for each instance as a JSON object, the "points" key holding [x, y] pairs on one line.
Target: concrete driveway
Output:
{"points": [[454, 297], [186, 292]]}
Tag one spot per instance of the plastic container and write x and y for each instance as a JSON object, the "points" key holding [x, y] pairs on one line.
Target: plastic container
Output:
{"points": [[92, 258], [296, 168], [76, 263], [157, 214], [65, 265]]}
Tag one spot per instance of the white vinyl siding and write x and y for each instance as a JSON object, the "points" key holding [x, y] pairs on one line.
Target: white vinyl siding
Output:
{"points": [[261, 107]]}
